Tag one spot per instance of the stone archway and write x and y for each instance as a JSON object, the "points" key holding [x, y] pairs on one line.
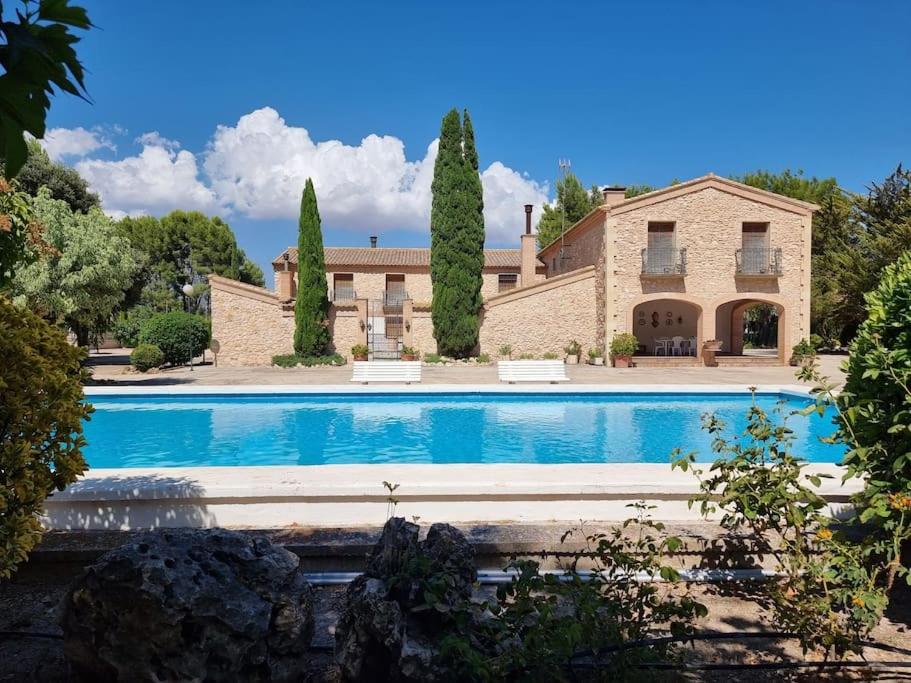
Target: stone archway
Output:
{"points": [[663, 316], [730, 329]]}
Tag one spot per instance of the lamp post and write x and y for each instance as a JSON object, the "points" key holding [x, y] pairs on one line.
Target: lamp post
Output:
{"points": [[187, 290]]}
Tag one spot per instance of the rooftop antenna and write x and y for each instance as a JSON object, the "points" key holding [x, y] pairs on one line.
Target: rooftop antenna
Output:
{"points": [[565, 166]]}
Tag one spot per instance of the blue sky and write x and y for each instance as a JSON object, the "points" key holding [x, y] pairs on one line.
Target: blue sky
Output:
{"points": [[226, 107]]}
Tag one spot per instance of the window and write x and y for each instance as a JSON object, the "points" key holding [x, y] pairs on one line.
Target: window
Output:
{"points": [[660, 235], [343, 287], [755, 236], [553, 265], [661, 257], [507, 281]]}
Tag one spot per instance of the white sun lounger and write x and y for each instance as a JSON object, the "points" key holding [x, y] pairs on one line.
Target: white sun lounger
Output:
{"points": [[406, 371], [513, 371]]}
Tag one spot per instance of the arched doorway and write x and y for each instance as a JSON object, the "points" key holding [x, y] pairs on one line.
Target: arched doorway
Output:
{"points": [[667, 327], [751, 327]]}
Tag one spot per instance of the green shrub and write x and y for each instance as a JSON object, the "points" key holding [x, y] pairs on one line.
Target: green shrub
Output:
{"points": [[483, 358], [410, 351], [816, 342], [803, 349], [574, 348], [594, 353], [359, 350], [526, 356], [292, 360], [128, 325], [41, 414], [180, 336], [432, 358], [550, 355], [624, 344], [505, 350], [146, 356]]}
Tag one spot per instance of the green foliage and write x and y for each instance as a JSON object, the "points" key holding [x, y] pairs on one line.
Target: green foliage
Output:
{"points": [[816, 342], [539, 625], [831, 592], [803, 349], [180, 248], [409, 351], [180, 336], [526, 356], [624, 344], [595, 353], [636, 190], [128, 324], [505, 350], [18, 229], [549, 355], [433, 358], [574, 348], [483, 358], [41, 414], [573, 202], [146, 356], [80, 280], [360, 350], [36, 55], [292, 360], [62, 181], [311, 309], [457, 239]]}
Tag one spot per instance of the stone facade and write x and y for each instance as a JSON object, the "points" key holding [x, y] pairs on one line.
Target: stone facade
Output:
{"points": [[543, 318], [249, 323]]}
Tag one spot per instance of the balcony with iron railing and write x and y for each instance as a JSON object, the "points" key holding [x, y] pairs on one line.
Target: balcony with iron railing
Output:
{"points": [[394, 298], [758, 262], [342, 295], [663, 262]]}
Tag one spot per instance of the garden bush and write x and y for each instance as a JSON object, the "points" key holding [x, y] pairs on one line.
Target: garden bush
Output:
{"points": [[180, 336], [41, 413], [292, 360], [146, 356], [128, 325], [432, 358], [624, 344]]}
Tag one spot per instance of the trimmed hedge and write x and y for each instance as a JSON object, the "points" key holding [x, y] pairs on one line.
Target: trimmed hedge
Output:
{"points": [[128, 325], [180, 336], [292, 360], [146, 356]]}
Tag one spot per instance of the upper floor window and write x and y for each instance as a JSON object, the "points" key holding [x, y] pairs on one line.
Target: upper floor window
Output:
{"points": [[343, 287], [660, 235], [507, 281], [755, 236]]}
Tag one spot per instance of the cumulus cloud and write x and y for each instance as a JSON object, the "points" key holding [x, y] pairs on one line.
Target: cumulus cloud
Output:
{"points": [[155, 181], [75, 142], [258, 167]]}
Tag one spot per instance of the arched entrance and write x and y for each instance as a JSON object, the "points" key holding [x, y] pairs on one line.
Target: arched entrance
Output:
{"points": [[751, 327], [667, 327]]}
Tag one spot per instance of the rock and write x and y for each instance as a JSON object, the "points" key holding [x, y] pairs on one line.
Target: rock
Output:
{"points": [[386, 631], [209, 605]]}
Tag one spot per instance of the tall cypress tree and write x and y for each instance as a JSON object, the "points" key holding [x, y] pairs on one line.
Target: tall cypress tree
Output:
{"points": [[311, 309], [457, 239]]}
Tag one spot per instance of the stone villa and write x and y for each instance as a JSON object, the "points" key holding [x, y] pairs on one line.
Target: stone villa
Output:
{"points": [[675, 267]]}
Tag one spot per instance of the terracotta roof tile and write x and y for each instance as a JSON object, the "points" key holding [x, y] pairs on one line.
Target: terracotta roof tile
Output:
{"points": [[398, 256]]}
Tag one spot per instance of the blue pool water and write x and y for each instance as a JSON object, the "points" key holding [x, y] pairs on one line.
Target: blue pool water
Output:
{"points": [[187, 431]]}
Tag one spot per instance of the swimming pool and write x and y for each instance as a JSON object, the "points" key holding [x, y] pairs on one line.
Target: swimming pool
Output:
{"points": [[197, 430]]}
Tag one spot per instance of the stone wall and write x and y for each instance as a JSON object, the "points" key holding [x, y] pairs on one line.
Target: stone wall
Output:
{"points": [[543, 318], [582, 246], [249, 323]]}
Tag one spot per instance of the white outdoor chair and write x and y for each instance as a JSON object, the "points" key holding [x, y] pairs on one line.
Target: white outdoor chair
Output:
{"points": [[512, 371], [677, 345], [406, 371]]}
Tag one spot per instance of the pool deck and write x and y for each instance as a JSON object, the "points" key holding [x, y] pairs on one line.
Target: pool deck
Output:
{"points": [[110, 367]]}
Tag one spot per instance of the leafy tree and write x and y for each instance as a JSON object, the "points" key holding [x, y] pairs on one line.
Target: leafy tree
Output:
{"points": [[63, 181], [457, 239], [311, 309], [81, 280], [17, 230], [573, 202], [183, 247], [36, 54], [636, 190], [41, 415]]}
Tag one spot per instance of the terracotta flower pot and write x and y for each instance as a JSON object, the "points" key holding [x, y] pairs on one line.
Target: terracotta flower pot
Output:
{"points": [[622, 361], [408, 356], [360, 358]]}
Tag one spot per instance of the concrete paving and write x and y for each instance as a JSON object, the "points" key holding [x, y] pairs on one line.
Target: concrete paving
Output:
{"points": [[112, 366]]}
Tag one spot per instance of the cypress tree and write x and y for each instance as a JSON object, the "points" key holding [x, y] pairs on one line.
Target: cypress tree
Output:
{"points": [[311, 309], [457, 239]]}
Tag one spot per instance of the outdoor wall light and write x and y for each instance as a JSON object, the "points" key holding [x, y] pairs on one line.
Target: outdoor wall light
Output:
{"points": [[362, 325], [408, 326]]}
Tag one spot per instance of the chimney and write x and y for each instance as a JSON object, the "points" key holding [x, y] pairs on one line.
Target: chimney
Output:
{"points": [[284, 279], [613, 195], [373, 241], [527, 258]]}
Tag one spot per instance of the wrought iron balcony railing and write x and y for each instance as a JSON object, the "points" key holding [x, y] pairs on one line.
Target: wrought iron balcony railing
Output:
{"points": [[342, 294], [393, 298], [753, 261], [664, 261]]}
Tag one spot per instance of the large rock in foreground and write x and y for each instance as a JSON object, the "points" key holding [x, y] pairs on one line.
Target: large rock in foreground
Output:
{"points": [[208, 605], [387, 632]]}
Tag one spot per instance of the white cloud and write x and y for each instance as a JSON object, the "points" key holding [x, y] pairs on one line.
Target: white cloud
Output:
{"points": [[155, 181], [258, 168], [61, 142]]}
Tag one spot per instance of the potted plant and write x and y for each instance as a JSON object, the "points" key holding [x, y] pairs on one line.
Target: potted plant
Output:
{"points": [[573, 350], [803, 353], [712, 344], [595, 357], [409, 353], [622, 348], [359, 352]]}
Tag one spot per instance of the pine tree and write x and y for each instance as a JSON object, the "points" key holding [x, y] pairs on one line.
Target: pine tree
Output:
{"points": [[311, 309], [457, 239], [573, 202]]}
